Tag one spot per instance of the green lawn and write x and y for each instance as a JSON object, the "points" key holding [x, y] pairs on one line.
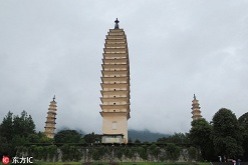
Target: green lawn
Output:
{"points": [[119, 163]]}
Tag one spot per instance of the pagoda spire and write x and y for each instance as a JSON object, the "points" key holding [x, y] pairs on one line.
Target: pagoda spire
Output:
{"points": [[196, 113], [50, 119], [117, 23]]}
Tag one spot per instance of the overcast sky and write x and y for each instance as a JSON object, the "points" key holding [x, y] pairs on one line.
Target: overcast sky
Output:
{"points": [[176, 48]]}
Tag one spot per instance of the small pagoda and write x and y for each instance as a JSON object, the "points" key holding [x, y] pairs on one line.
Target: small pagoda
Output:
{"points": [[50, 119], [196, 113]]}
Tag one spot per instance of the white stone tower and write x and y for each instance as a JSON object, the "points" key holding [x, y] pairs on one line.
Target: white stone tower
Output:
{"points": [[115, 93]]}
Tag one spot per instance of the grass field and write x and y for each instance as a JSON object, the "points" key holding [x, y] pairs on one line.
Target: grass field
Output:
{"points": [[119, 163]]}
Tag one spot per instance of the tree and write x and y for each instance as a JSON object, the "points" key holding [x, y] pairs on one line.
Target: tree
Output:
{"points": [[23, 125], [33, 138], [98, 153], [42, 138], [142, 151], [177, 138], [200, 137], [15, 130], [226, 134], [66, 153], [67, 136], [119, 153], [91, 138], [129, 152], [75, 153], [70, 153], [172, 151], [192, 153], [243, 123], [6, 128], [5, 147], [154, 150]]}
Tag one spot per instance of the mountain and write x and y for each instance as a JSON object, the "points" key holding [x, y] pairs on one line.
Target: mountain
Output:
{"points": [[145, 135], [67, 128], [142, 136]]}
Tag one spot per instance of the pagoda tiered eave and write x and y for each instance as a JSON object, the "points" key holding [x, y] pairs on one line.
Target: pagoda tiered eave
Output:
{"points": [[126, 114], [115, 61], [114, 55]]}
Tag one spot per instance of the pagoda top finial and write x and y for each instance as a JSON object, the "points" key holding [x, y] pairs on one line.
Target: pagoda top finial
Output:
{"points": [[54, 98], [194, 97], [117, 23]]}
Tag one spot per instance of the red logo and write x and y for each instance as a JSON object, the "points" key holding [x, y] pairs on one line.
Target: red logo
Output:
{"points": [[5, 159]]}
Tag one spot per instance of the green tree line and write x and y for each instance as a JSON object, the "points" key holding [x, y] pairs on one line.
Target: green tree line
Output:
{"points": [[224, 136]]}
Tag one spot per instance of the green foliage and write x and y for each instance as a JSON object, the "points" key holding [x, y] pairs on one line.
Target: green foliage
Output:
{"points": [[142, 151], [67, 136], [154, 150], [65, 152], [172, 151], [129, 152], [6, 128], [13, 126], [32, 151], [192, 153], [42, 138], [145, 135], [15, 131], [243, 122], [95, 154], [200, 132], [40, 151], [225, 124], [70, 153], [177, 138], [33, 138], [4, 145], [19, 140], [23, 125], [91, 138], [75, 153], [226, 134], [119, 153], [200, 137], [51, 151]]}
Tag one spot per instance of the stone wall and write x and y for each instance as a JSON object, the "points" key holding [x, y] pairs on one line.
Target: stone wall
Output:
{"points": [[103, 153]]}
